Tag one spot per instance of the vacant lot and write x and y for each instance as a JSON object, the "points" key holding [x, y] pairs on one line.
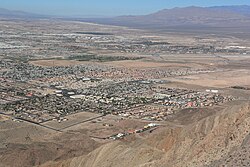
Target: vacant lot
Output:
{"points": [[217, 79], [51, 63]]}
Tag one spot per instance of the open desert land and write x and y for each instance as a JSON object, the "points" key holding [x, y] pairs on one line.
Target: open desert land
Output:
{"points": [[84, 94]]}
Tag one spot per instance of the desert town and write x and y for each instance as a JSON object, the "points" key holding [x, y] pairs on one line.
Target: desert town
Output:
{"points": [[39, 93], [97, 86]]}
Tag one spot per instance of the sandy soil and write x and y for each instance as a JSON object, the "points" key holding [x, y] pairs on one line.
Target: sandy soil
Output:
{"points": [[147, 64], [3, 118], [217, 79], [51, 63], [73, 119]]}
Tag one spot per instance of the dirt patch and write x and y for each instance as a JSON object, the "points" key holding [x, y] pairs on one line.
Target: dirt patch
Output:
{"points": [[217, 79], [147, 64], [53, 63], [3, 118], [72, 120]]}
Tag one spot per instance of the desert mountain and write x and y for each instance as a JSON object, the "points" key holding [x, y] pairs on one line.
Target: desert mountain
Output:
{"points": [[243, 9], [231, 16], [218, 16], [11, 14], [216, 140]]}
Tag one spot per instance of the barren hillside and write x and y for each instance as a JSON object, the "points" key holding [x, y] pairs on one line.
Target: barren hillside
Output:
{"points": [[207, 142]]}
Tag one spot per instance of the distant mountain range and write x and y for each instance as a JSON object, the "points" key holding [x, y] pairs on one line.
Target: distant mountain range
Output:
{"points": [[243, 9], [218, 16], [11, 14]]}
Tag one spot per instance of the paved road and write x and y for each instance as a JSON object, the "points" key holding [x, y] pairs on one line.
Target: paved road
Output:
{"points": [[84, 121]]}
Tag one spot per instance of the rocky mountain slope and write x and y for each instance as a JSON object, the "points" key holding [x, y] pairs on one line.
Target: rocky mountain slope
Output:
{"points": [[59, 148], [212, 141]]}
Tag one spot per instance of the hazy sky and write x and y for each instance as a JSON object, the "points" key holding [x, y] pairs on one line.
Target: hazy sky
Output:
{"points": [[107, 7]]}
